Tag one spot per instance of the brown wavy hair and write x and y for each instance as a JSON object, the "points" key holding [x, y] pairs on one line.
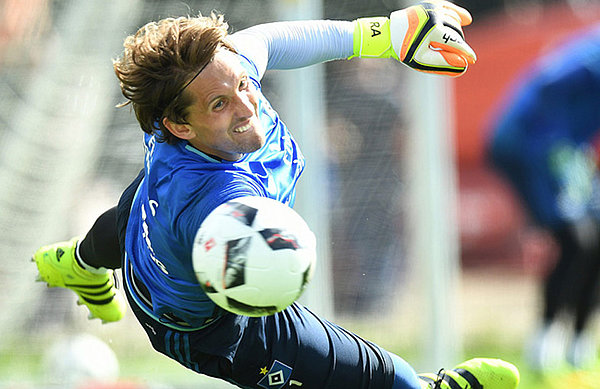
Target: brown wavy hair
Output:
{"points": [[159, 61]]}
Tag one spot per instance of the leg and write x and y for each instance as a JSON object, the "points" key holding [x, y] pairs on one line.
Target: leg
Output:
{"points": [[548, 346], [583, 351], [584, 276], [588, 297], [100, 247], [556, 284], [86, 267], [570, 295], [319, 354], [583, 299]]}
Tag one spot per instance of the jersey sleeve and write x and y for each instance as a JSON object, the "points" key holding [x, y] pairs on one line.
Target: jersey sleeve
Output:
{"points": [[290, 45]]}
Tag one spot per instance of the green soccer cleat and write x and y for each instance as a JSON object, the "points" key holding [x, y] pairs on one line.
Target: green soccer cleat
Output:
{"points": [[477, 373], [58, 268]]}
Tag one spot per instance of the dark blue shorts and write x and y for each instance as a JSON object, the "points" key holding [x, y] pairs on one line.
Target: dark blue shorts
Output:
{"points": [[293, 348]]}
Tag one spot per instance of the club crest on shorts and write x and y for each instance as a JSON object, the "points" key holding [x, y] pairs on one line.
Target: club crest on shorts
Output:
{"points": [[277, 376]]}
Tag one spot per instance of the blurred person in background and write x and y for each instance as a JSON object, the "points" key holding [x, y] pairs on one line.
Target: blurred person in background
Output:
{"points": [[211, 136], [544, 142]]}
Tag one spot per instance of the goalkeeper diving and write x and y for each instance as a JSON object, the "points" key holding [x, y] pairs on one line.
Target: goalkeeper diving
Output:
{"points": [[211, 136]]}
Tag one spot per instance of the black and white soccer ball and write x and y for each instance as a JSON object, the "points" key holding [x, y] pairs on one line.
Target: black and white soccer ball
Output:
{"points": [[254, 256]]}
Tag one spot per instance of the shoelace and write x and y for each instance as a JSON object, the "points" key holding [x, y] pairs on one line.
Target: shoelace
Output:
{"points": [[438, 384], [471, 381], [441, 376]]}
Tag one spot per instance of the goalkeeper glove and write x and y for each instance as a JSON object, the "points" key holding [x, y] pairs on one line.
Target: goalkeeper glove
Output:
{"points": [[427, 37]]}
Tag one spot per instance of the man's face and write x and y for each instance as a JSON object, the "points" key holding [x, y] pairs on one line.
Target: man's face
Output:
{"points": [[223, 118]]}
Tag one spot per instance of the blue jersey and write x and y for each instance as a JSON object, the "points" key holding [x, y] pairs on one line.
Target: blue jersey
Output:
{"points": [[544, 134], [180, 188], [557, 99]]}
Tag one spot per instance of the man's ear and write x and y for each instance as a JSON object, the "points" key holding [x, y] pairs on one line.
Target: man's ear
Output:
{"points": [[182, 131]]}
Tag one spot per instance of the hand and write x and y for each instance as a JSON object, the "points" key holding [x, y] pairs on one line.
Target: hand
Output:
{"points": [[428, 37]]}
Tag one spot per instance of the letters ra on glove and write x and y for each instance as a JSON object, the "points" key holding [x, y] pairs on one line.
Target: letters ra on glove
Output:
{"points": [[427, 37]]}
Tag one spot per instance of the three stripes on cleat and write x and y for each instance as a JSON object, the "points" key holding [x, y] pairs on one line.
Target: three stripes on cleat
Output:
{"points": [[80, 299], [442, 377]]}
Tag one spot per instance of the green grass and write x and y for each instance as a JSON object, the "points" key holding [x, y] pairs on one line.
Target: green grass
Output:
{"points": [[21, 362]]}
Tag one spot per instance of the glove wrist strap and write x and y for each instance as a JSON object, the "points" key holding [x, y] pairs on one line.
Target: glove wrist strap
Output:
{"points": [[372, 38]]}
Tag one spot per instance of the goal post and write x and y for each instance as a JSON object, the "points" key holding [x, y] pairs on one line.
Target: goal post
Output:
{"points": [[304, 111], [432, 187]]}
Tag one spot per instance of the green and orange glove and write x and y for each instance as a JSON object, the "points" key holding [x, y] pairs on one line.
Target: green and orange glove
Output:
{"points": [[427, 37]]}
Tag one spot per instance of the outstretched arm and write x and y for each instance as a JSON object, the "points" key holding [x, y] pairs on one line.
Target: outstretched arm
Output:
{"points": [[427, 37], [290, 45]]}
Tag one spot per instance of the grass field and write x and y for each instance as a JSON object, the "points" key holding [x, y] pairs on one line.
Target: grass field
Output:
{"points": [[148, 367], [496, 313]]}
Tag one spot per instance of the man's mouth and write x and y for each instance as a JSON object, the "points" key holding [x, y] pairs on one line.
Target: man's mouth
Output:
{"points": [[242, 129]]}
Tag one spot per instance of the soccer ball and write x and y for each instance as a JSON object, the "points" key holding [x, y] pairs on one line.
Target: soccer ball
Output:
{"points": [[254, 256]]}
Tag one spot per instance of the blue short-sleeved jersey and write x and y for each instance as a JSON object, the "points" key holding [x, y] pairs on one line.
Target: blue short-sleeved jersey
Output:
{"points": [[181, 187]]}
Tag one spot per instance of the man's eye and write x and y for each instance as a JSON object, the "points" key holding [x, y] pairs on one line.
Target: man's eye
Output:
{"points": [[243, 84], [219, 104]]}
